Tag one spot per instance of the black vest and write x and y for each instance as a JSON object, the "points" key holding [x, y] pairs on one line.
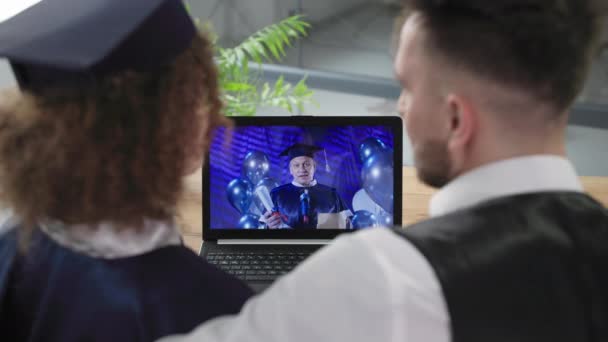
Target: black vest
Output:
{"points": [[527, 268]]}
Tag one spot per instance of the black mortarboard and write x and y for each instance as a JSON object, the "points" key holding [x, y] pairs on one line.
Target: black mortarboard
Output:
{"points": [[73, 41], [299, 150]]}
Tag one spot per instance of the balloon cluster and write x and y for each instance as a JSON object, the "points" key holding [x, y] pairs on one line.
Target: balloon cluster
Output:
{"points": [[241, 192], [377, 181]]}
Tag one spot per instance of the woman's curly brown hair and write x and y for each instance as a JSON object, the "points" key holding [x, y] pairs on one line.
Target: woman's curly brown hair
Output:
{"points": [[113, 151]]}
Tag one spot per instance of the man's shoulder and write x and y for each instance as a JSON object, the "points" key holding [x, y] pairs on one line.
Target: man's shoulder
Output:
{"points": [[508, 216], [373, 241], [324, 188], [282, 188]]}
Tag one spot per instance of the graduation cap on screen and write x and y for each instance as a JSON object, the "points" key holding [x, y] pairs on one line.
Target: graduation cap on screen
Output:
{"points": [[73, 41], [299, 150]]}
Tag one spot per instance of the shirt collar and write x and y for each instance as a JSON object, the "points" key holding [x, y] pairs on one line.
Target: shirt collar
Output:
{"points": [[508, 177], [296, 184], [106, 242]]}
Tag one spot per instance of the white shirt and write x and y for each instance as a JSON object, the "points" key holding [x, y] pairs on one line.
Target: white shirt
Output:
{"points": [[104, 241], [375, 285]]}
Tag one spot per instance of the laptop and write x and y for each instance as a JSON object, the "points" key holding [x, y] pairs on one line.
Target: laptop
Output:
{"points": [[276, 189]]}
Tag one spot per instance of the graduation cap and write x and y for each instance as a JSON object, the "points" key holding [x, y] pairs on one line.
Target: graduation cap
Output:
{"points": [[75, 41], [299, 150]]}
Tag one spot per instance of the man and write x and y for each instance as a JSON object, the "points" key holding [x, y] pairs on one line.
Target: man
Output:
{"points": [[514, 251], [304, 203]]}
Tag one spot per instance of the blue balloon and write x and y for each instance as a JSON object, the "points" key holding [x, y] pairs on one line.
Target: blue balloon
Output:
{"points": [[370, 147], [256, 166], [249, 221], [363, 219], [377, 176], [269, 184], [240, 194]]}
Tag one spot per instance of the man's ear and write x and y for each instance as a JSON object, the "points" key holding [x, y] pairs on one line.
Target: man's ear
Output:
{"points": [[463, 122]]}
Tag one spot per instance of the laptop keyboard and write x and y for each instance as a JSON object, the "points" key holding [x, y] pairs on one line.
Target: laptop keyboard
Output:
{"points": [[257, 266]]}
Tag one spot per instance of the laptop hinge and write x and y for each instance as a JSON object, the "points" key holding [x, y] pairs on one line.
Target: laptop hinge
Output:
{"points": [[272, 242]]}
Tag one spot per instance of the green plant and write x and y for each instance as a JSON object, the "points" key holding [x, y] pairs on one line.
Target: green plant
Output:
{"points": [[242, 87]]}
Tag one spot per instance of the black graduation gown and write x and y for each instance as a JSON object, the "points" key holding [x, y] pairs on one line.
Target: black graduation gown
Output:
{"points": [[323, 199], [527, 268], [53, 294]]}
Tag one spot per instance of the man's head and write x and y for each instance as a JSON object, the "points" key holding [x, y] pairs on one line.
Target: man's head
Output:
{"points": [[489, 80], [302, 165], [302, 169]]}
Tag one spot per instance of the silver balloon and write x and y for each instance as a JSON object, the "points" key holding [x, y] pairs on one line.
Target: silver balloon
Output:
{"points": [[377, 176], [384, 219], [256, 166]]}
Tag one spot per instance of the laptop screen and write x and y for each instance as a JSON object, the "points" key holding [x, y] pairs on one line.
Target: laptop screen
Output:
{"points": [[303, 177]]}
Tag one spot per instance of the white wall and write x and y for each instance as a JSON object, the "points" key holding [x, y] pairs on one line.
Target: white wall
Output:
{"points": [[6, 75], [236, 19], [319, 10], [201, 9]]}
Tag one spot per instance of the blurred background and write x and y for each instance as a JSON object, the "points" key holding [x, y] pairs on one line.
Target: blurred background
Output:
{"points": [[347, 58]]}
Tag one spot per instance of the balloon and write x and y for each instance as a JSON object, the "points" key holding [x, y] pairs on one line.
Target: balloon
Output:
{"points": [[240, 194], [370, 147], [362, 201], [363, 219], [377, 176], [249, 222], [253, 209], [269, 184], [256, 166], [384, 219]]}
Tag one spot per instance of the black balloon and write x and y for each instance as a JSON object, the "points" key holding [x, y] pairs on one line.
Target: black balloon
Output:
{"points": [[369, 147], [249, 221], [377, 177], [363, 219], [256, 166], [240, 193]]}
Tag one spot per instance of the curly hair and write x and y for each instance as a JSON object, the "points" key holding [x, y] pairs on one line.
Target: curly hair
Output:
{"points": [[542, 46], [113, 150]]}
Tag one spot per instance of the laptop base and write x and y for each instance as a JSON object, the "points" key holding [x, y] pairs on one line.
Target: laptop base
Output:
{"points": [[257, 265]]}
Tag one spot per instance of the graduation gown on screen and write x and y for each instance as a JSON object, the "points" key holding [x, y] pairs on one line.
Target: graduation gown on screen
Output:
{"points": [[323, 199], [530, 267], [54, 294]]}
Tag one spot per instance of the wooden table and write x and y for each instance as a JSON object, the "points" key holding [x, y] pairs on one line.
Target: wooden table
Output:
{"points": [[416, 198]]}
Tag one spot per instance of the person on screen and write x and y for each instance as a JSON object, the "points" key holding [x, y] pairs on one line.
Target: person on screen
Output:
{"points": [[116, 103], [301, 203], [514, 249]]}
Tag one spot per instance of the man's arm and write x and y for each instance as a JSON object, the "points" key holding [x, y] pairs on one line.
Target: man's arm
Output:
{"points": [[336, 295], [345, 292]]}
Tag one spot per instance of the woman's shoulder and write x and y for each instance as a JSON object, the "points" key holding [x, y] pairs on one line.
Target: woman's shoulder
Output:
{"points": [[163, 269], [170, 289], [178, 262]]}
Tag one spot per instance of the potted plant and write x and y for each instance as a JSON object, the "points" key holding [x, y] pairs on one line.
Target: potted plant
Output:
{"points": [[240, 70]]}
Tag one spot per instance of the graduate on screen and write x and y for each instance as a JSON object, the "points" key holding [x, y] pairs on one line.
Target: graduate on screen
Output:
{"points": [[304, 203]]}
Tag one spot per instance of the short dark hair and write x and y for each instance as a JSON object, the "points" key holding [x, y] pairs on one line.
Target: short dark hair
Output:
{"points": [[544, 47]]}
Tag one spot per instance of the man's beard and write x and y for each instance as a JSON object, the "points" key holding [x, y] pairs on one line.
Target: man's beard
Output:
{"points": [[433, 163]]}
